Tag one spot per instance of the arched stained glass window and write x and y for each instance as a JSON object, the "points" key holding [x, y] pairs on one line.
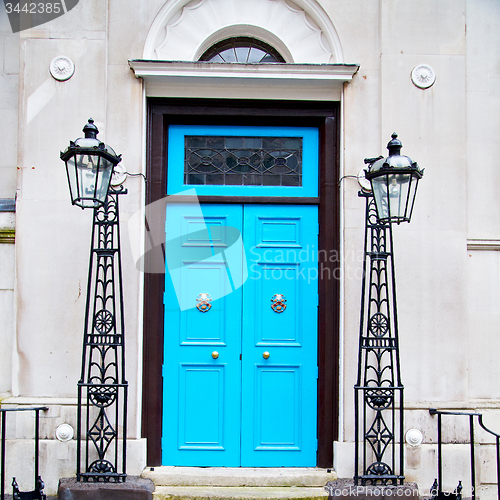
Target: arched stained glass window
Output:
{"points": [[242, 50]]}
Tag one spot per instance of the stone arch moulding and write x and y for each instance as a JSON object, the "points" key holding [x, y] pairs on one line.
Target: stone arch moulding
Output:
{"points": [[300, 29]]}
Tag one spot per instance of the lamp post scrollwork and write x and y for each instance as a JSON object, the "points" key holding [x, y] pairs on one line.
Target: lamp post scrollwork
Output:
{"points": [[379, 392], [102, 388]]}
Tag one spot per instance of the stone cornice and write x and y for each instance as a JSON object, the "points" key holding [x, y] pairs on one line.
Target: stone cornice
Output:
{"points": [[237, 80], [144, 68]]}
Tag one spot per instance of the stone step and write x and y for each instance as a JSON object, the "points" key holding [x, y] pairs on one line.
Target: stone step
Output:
{"points": [[239, 476], [238, 493]]}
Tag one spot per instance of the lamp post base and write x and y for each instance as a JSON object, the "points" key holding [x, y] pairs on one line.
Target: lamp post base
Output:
{"points": [[134, 488]]}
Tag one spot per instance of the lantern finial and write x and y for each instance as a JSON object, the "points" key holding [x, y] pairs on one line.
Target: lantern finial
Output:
{"points": [[394, 146], [90, 130]]}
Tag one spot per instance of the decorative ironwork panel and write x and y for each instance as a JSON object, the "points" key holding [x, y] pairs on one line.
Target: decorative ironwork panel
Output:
{"points": [[102, 389], [378, 390], [238, 161]]}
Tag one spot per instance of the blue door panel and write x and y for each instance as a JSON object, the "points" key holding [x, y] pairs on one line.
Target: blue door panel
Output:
{"points": [[201, 386], [201, 409], [239, 409], [278, 233], [277, 328], [199, 278], [277, 412], [279, 407]]}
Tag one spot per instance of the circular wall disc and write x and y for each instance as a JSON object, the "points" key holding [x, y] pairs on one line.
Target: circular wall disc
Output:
{"points": [[62, 68], [423, 76], [414, 437], [64, 433]]}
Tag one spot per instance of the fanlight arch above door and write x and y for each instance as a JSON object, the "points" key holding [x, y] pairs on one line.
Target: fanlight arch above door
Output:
{"points": [[242, 49], [300, 30]]}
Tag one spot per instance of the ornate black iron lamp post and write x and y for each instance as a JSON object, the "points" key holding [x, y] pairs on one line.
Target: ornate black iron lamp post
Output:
{"points": [[102, 388], [378, 390]]}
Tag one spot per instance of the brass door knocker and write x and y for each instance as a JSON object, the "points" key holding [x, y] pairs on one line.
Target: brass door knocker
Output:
{"points": [[204, 302], [278, 303]]}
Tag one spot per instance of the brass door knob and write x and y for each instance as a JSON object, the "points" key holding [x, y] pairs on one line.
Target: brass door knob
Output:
{"points": [[265, 355], [215, 355]]}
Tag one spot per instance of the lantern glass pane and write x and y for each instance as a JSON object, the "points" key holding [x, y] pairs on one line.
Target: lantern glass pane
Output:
{"points": [[411, 195], [379, 187], [73, 184], [398, 195], [93, 174], [102, 184], [86, 171]]}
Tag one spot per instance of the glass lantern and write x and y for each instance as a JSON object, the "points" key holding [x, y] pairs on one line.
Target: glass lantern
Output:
{"points": [[89, 166], [394, 182]]}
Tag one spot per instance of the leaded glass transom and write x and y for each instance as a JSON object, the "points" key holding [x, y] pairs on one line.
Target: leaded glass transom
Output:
{"points": [[242, 50], [242, 161]]}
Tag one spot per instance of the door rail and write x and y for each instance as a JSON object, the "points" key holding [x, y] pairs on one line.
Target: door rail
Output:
{"points": [[37, 493], [437, 487]]}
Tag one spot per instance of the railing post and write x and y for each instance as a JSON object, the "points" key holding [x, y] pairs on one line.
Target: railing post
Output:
{"points": [[472, 457], [79, 433], [401, 434], [440, 465], [471, 416], [498, 466], [356, 437], [3, 456], [37, 448], [38, 488]]}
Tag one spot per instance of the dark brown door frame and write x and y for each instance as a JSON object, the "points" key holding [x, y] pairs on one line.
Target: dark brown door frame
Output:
{"points": [[325, 115]]}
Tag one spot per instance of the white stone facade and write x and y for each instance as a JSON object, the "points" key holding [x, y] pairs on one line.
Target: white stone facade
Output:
{"points": [[448, 261]]}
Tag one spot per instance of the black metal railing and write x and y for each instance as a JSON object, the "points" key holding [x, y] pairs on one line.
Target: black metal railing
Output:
{"points": [[37, 492], [437, 487]]}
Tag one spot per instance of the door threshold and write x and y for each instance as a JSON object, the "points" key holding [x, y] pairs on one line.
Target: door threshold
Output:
{"points": [[168, 475]]}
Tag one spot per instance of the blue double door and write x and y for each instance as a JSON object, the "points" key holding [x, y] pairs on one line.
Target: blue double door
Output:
{"points": [[240, 359]]}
